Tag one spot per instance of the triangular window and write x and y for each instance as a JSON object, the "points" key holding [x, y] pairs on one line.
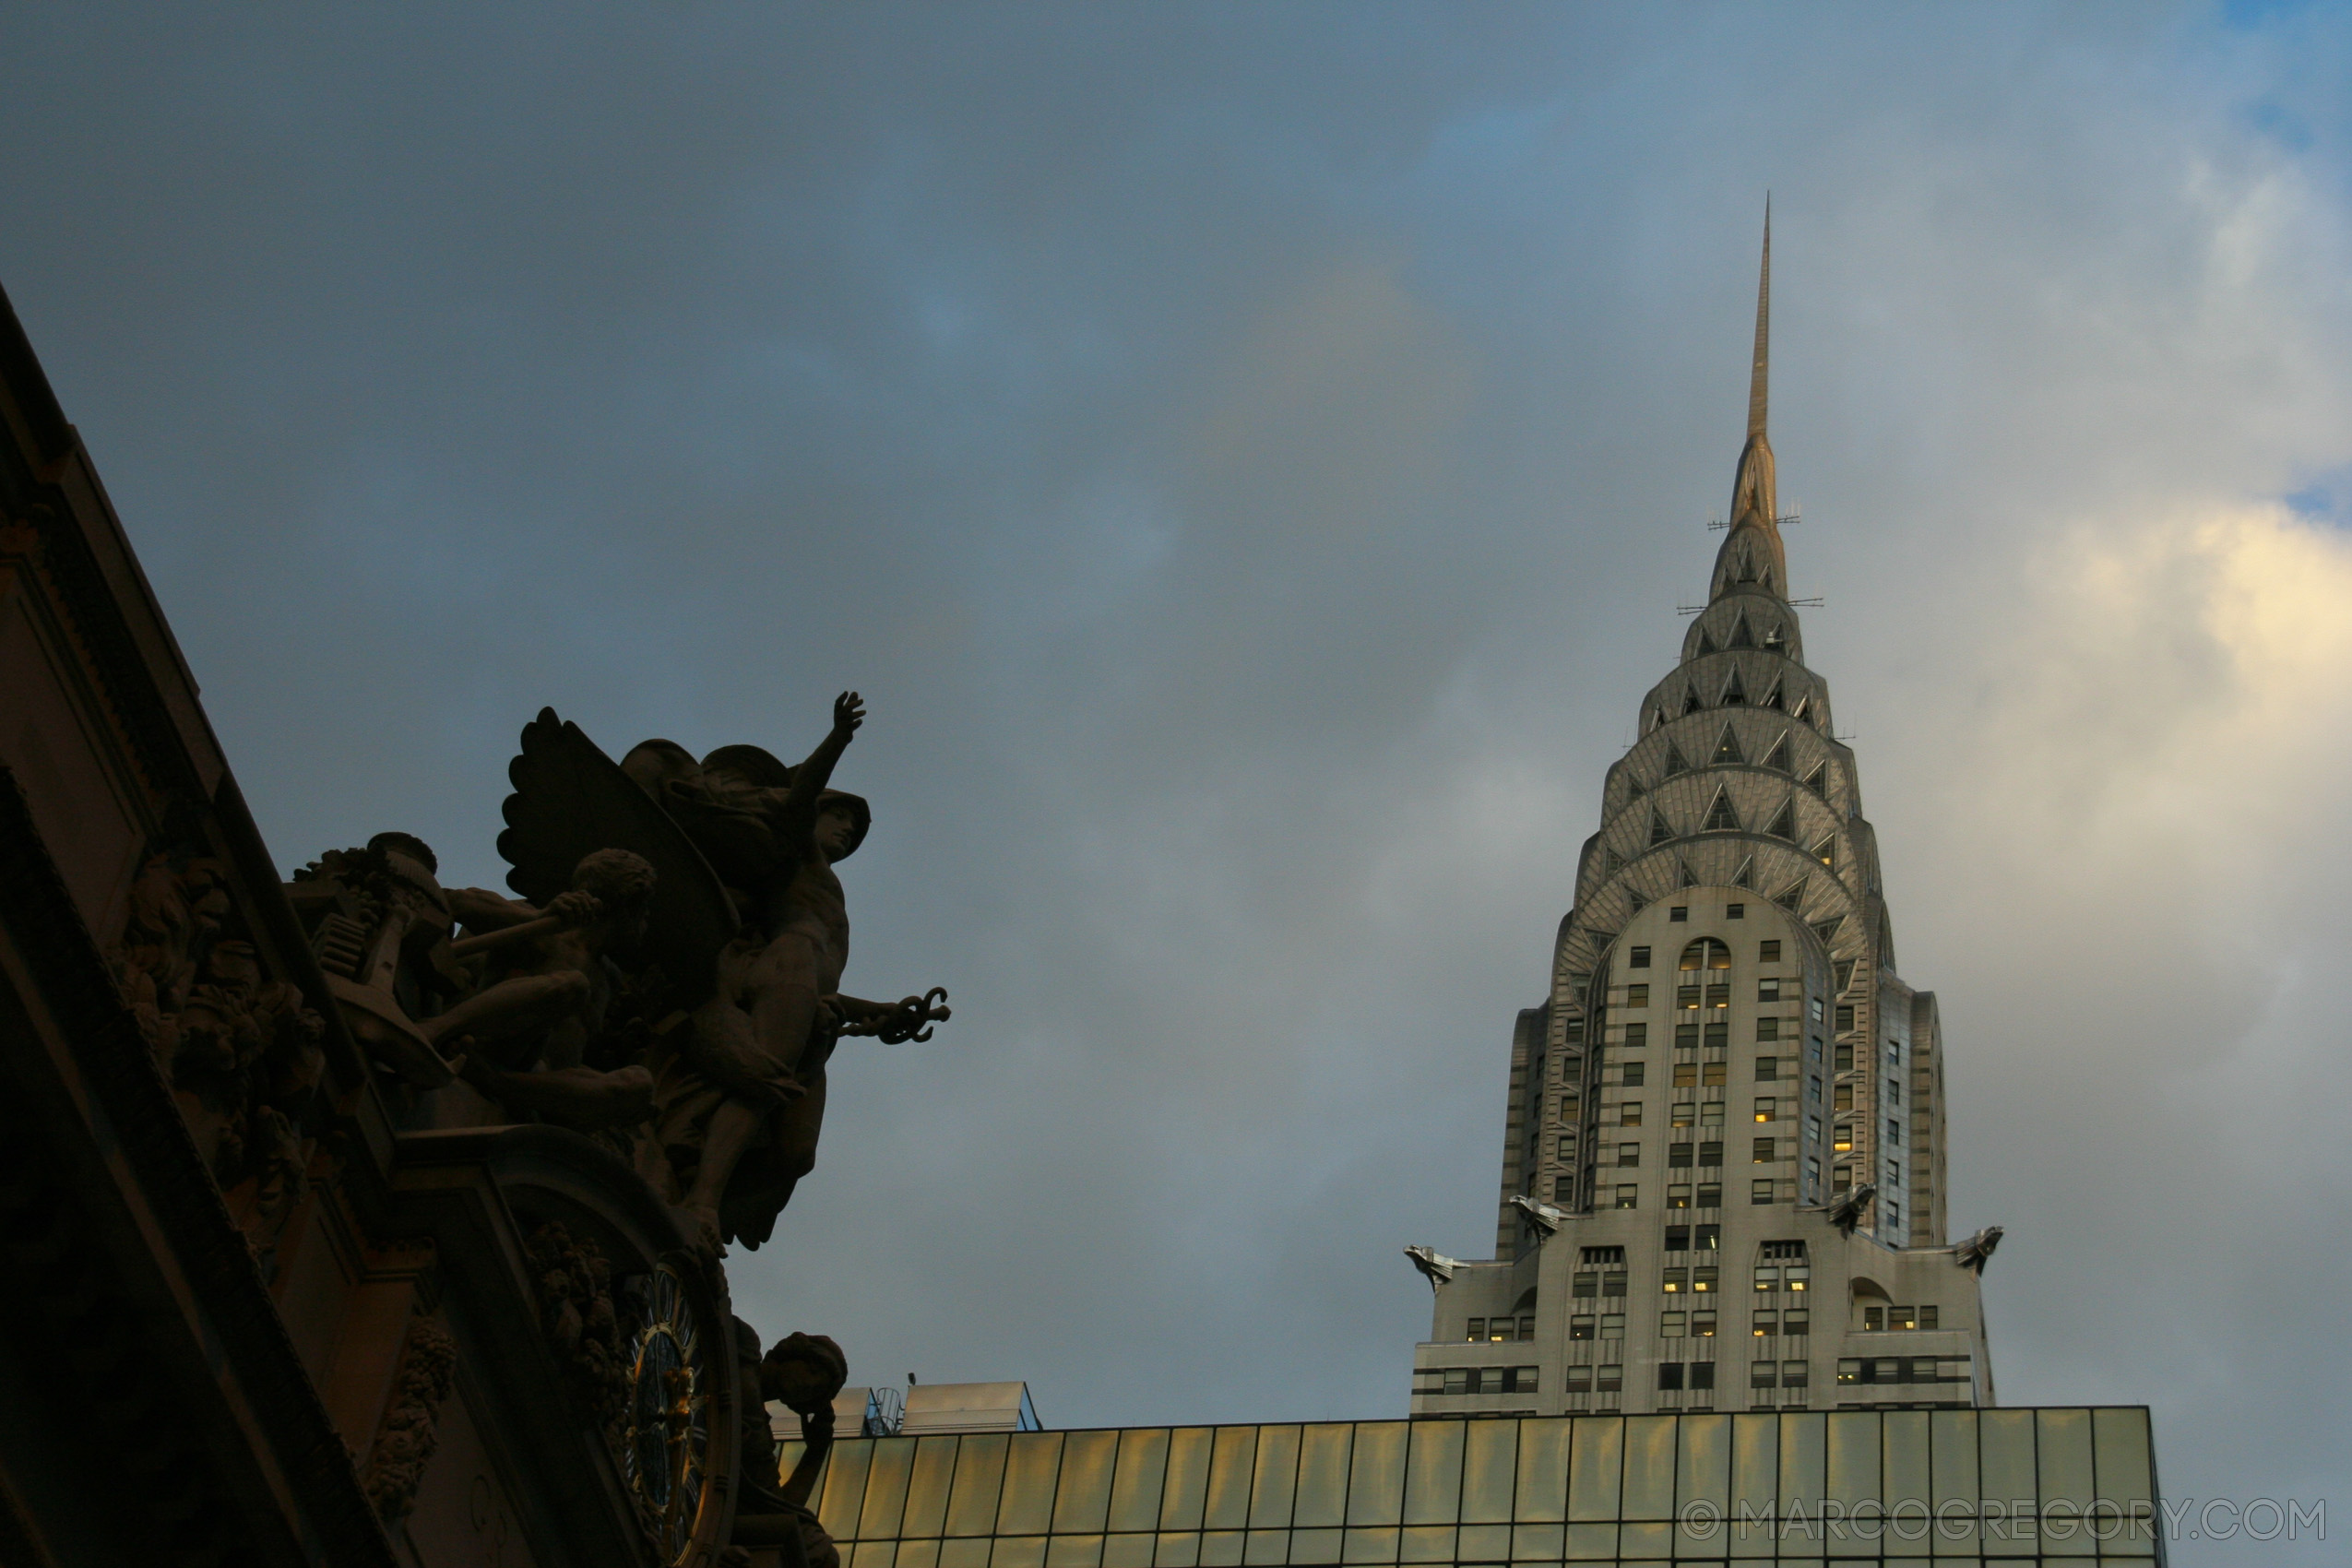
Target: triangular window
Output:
{"points": [[1690, 699], [1777, 759], [1674, 763], [1735, 692], [1706, 644], [1776, 640], [1690, 879], [1826, 852], [1741, 635], [1726, 749], [1746, 875], [1659, 832], [1783, 826], [1633, 896], [1720, 817], [1791, 897], [1772, 698], [1845, 973], [1827, 929], [1818, 780], [1746, 568], [1634, 790], [1611, 862], [1658, 720], [1799, 711], [1767, 579]]}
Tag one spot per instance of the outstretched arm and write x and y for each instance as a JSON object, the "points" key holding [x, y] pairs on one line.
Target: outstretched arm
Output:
{"points": [[905, 1019], [810, 778]]}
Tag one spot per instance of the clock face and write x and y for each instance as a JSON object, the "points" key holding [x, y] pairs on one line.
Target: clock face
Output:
{"points": [[666, 1431]]}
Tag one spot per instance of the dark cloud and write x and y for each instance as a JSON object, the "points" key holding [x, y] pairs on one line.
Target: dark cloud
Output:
{"points": [[1249, 456]]}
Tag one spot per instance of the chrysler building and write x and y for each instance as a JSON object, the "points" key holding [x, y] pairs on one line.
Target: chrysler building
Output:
{"points": [[1723, 1162]]}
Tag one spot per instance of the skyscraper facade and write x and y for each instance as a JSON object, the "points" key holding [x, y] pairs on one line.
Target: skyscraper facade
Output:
{"points": [[1723, 1163]]}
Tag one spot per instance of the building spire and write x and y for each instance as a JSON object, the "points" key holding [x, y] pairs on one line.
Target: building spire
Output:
{"points": [[1753, 551], [1759, 379]]}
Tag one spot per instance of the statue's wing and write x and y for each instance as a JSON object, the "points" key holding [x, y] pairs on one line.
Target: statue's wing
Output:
{"points": [[571, 800]]}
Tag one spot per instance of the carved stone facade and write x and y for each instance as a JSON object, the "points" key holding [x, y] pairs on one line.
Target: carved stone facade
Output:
{"points": [[359, 1220]]}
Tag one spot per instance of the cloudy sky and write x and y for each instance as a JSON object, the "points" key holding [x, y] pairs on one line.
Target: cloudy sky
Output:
{"points": [[1250, 458]]}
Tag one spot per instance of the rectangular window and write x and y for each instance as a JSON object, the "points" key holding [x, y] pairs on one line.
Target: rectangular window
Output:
{"points": [[1631, 1074], [1637, 996], [1850, 1370], [1706, 1239], [1686, 1076], [1478, 1329], [1842, 1179], [1568, 1149], [1683, 1113], [1630, 1113], [1579, 1380], [1767, 1028], [1528, 1329], [1765, 1323], [1813, 1051], [1563, 1189], [1675, 1281], [1575, 1031], [1710, 1194], [1761, 1192], [1768, 952], [1893, 1132], [1678, 1196], [1628, 1154], [1704, 1281], [1768, 989], [1678, 1238], [1902, 1317], [1768, 1276], [1711, 1076], [1928, 1316], [1702, 1325], [1711, 1113], [1762, 1374], [1669, 1375], [1498, 1330], [1613, 1282], [1842, 1140], [1710, 1154], [1629, 1196], [1812, 1129], [1812, 1173], [1612, 1326], [1581, 1327], [1895, 1093], [1873, 1319], [1677, 1155], [1795, 1375], [1767, 1069], [1844, 1016], [1678, 912], [1637, 1037], [1687, 996], [1608, 1377], [1521, 1380], [1570, 1106], [1715, 1037], [1640, 959], [1844, 1098], [1761, 1150], [1799, 1275], [1766, 1109], [1845, 1058], [1720, 994], [1600, 1257], [1702, 1374], [1796, 1320], [1585, 1284], [1686, 1037], [1735, 912]]}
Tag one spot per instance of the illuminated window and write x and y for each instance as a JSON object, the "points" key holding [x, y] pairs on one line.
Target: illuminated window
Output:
{"points": [[1873, 1319], [1761, 1150], [1629, 1196], [1842, 1140], [1702, 1325], [1581, 1327], [1678, 1196], [1765, 1109], [1675, 1281], [1799, 1277], [1478, 1329], [1764, 1324], [1768, 1277], [1705, 1239]]}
